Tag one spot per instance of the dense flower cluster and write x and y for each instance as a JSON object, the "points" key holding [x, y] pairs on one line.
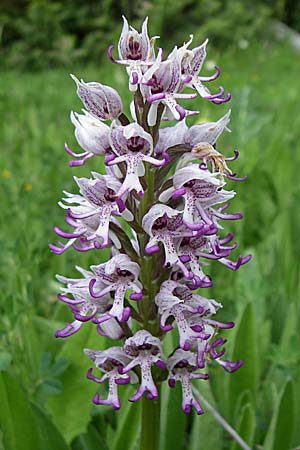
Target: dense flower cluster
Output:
{"points": [[159, 207]]}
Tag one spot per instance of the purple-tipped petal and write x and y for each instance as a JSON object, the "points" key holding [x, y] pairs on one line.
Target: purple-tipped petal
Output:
{"points": [[219, 101], [171, 382], [121, 381], [136, 295], [152, 249], [178, 192], [109, 54], [232, 158], [161, 364]]}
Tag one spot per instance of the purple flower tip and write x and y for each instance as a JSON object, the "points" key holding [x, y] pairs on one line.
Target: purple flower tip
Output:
{"points": [[136, 295], [184, 258], [180, 111], [135, 78], [152, 249], [120, 204], [74, 163], [161, 364], [151, 396], [89, 373], [171, 382], [122, 380], [126, 314], [178, 192], [108, 159], [109, 53]]}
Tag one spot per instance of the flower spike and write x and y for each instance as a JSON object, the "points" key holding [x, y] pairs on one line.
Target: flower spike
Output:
{"points": [[152, 221]]}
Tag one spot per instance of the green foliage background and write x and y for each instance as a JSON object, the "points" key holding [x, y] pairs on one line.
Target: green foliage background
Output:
{"points": [[45, 398], [42, 33]]}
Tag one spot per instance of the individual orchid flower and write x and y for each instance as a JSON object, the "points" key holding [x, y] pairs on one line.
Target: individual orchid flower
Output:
{"points": [[211, 248], [109, 361], [101, 101], [191, 64], [93, 212], [182, 367], [119, 274], [188, 255], [200, 189], [164, 224], [91, 134], [83, 306], [83, 238], [144, 350], [177, 301], [134, 146], [161, 83], [192, 248], [135, 52]]}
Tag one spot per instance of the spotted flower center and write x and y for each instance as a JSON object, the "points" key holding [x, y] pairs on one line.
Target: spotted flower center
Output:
{"points": [[124, 273], [182, 293], [134, 49], [110, 195], [160, 223], [184, 364], [110, 364], [201, 188], [135, 144], [156, 87]]}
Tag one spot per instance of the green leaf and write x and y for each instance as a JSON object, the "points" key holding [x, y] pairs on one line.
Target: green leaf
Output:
{"points": [[296, 389], [17, 421], [290, 329], [244, 399], [280, 432], [5, 360], [91, 440], [206, 433], [128, 423], [32, 344], [245, 426], [173, 420], [244, 348], [50, 437], [24, 425], [77, 391]]}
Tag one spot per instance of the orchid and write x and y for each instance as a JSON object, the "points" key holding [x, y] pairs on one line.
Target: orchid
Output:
{"points": [[135, 52], [91, 134], [132, 145], [182, 367], [191, 64], [118, 274], [109, 361], [93, 211], [160, 205], [143, 349]]}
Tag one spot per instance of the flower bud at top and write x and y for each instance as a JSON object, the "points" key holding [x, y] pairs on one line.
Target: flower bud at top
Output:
{"points": [[133, 45], [102, 101]]}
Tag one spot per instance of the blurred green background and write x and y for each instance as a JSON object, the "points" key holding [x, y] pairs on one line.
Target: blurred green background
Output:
{"points": [[45, 399]]}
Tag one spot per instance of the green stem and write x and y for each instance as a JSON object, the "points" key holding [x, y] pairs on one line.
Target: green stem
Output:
{"points": [[150, 424], [150, 420]]}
